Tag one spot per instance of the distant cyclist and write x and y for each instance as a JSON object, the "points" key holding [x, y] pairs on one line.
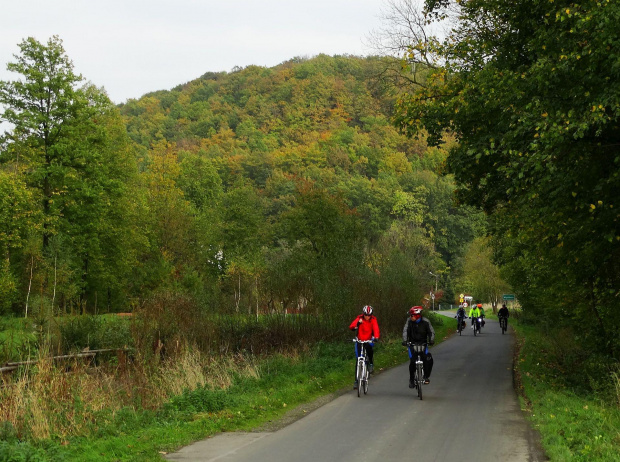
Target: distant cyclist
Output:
{"points": [[482, 316], [418, 330], [367, 328], [474, 314], [503, 312], [460, 316]]}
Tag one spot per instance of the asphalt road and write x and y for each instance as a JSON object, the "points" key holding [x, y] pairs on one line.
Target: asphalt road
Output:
{"points": [[469, 412]]}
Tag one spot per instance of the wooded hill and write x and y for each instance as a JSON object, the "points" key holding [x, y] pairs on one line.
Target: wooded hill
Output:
{"points": [[259, 190]]}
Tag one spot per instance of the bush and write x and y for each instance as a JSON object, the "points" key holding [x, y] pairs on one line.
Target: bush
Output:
{"points": [[93, 332]]}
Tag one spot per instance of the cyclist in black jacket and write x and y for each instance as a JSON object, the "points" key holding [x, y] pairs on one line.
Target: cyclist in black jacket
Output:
{"points": [[461, 316], [419, 330]]}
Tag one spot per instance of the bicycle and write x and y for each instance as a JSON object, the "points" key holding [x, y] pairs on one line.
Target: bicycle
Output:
{"points": [[503, 323], [476, 325], [361, 369], [418, 379], [460, 320]]}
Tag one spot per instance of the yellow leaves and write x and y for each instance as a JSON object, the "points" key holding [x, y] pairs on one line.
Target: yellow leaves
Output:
{"points": [[545, 114], [574, 194], [600, 203]]}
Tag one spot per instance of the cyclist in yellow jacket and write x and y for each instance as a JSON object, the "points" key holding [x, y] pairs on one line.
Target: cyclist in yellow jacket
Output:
{"points": [[474, 314]]}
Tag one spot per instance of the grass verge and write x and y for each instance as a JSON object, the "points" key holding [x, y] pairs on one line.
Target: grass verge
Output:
{"points": [[576, 416], [274, 386]]}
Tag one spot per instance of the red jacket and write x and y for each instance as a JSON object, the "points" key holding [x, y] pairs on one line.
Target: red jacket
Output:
{"points": [[367, 329]]}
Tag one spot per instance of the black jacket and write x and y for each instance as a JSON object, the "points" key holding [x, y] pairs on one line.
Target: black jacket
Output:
{"points": [[418, 332]]}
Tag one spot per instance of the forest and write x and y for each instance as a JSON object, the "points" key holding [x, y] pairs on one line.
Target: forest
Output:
{"points": [[263, 190], [252, 213]]}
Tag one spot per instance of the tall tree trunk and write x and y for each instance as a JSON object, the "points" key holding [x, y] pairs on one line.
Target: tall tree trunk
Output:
{"points": [[54, 296], [238, 296], [29, 284], [593, 307]]}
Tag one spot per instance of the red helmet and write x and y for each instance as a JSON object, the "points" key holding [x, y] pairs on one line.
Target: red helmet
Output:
{"points": [[415, 310], [479, 305], [367, 310]]}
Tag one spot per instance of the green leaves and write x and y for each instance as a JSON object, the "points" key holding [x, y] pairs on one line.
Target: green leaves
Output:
{"points": [[537, 126]]}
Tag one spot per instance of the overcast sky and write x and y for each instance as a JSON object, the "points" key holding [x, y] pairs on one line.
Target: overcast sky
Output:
{"points": [[132, 47]]}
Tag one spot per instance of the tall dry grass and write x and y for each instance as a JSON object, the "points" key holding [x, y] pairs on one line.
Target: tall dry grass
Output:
{"points": [[176, 347], [46, 400], [616, 380]]}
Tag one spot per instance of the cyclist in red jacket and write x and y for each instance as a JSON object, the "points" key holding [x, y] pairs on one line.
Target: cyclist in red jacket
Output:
{"points": [[367, 328]]}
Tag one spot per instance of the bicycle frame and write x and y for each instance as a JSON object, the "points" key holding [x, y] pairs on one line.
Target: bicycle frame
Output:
{"points": [[418, 349], [361, 369], [503, 323], [459, 327]]}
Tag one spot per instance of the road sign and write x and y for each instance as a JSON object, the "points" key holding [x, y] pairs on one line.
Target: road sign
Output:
{"points": [[465, 305], [433, 296], [461, 296], [508, 296]]}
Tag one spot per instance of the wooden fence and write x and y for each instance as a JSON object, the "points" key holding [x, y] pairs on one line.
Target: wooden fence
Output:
{"points": [[12, 366]]}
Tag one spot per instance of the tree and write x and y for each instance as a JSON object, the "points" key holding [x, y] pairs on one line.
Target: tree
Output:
{"points": [[70, 148], [41, 107], [480, 275], [529, 90]]}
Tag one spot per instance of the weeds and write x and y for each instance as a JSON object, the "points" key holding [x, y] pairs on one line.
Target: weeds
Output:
{"points": [[569, 396]]}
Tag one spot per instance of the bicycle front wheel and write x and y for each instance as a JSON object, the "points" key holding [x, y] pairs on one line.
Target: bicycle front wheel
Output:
{"points": [[420, 381], [360, 377]]}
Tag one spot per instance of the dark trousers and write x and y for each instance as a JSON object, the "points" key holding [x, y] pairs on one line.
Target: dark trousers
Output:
{"points": [[427, 362]]}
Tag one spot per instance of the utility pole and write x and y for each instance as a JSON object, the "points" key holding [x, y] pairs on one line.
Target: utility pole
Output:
{"points": [[433, 294]]}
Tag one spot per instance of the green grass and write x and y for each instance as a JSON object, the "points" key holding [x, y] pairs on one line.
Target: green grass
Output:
{"points": [[283, 383], [576, 423]]}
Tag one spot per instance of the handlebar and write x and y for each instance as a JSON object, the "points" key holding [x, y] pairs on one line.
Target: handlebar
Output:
{"points": [[363, 341]]}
